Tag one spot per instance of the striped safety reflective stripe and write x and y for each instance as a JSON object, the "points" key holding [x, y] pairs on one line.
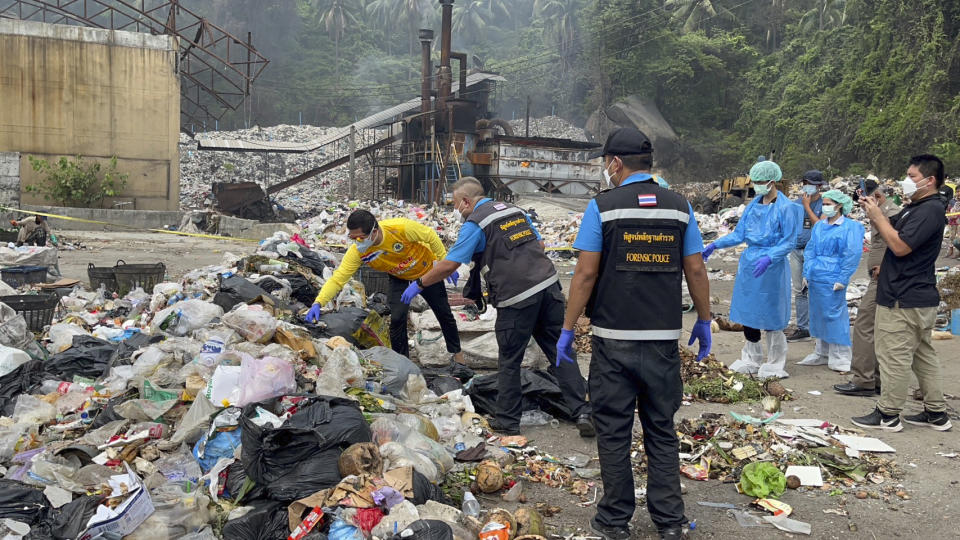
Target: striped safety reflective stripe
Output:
{"points": [[529, 292], [498, 215], [644, 213], [637, 335]]}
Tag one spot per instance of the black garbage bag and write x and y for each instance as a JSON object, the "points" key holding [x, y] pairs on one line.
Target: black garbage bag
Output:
{"points": [[396, 368], [303, 291], [300, 457], [87, 357], [309, 258], [339, 323], [540, 391], [237, 290], [453, 369], [22, 503], [425, 529], [68, 521], [23, 379], [380, 303], [236, 476], [442, 385], [424, 490], [108, 412], [267, 521], [124, 354]]}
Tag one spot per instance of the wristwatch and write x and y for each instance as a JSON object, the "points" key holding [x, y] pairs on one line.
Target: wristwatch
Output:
{"points": [[420, 283]]}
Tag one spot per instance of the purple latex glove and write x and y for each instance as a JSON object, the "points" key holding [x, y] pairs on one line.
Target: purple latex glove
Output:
{"points": [[761, 266], [708, 251], [454, 277], [701, 332], [412, 290], [565, 347]]}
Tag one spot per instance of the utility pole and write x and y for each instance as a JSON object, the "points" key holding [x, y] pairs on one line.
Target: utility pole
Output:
{"points": [[353, 161]]}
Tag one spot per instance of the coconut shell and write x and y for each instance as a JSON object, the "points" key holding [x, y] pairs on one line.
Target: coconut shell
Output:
{"points": [[793, 482], [774, 388], [500, 515], [529, 522], [489, 477], [361, 458]]}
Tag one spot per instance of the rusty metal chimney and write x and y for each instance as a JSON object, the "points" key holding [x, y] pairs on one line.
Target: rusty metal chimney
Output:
{"points": [[445, 79], [426, 88], [462, 59]]}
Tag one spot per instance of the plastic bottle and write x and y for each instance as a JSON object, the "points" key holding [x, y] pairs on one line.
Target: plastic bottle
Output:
{"points": [[471, 506]]}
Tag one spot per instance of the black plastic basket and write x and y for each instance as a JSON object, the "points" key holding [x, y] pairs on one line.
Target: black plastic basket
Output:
{"points": [[375, 281], [8, 236], [37, 309], [102, 275], [131, 276], [15, 276]]}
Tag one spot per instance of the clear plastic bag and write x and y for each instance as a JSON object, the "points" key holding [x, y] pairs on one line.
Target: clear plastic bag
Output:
{"points": [[61, 336], [32, 410], [344, 365], [252, 322], [189, 315], [389, 430], [264, 378], [395, 456]]}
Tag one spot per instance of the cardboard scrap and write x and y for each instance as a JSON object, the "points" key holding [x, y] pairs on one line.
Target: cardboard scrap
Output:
{"points": [[864, 444]]}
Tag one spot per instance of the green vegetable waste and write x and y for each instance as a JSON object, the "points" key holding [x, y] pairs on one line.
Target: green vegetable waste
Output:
{"points": [[762, 480]]}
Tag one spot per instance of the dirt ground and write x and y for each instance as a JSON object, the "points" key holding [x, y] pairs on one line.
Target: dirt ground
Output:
{"points": [[932, 481]]}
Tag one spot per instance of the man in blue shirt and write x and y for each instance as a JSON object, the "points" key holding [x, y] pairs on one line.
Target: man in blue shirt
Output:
{"points": [[523, 284], [812, 205], [637, 241]]}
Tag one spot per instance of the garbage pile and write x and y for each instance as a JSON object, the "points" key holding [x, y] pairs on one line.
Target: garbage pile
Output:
{"points": [[769, 458], [710, 380], [207, 408], [549, 126], [200, 169]]}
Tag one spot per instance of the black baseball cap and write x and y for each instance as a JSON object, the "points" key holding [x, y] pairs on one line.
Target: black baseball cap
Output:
{"points": [[627, 142], [814, 177]]}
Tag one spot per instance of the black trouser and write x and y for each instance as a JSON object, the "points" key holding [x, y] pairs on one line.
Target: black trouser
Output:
{"points": [[540, 317], [436, 297], [645, 375]]}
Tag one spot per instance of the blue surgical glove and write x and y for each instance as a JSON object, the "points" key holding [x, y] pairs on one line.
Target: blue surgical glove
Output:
{"points": [[454, 277], [314, 314], [701, 332], [708, 251], [761, 266], [565, 350], [412, 290]]}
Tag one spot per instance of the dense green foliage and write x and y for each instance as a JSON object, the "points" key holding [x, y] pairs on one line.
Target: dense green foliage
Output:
{"points": [[77, 183], [841, 85]]}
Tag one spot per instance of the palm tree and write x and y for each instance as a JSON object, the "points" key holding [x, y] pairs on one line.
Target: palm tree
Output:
{"points": [[336, 16], [559, 23], [827, 13], [470, 20], [693, 13]]}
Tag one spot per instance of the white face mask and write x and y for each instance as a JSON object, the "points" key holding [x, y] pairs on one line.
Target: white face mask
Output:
{"points": [[909, 186], [457, 214], [607, 177], [810, 189], [829, 210], [366, 243], [761, 189]]}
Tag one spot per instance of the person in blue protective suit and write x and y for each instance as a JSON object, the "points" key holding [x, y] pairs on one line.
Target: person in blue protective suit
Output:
{"points": [[829, 261], [761, 292], [812, 204]]}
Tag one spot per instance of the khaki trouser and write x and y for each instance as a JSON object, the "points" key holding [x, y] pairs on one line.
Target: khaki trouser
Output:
{"points": [[864, 363], [903, 342]]}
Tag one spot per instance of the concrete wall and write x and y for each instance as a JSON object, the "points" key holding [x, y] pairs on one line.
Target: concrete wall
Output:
{"points": [[146, 219], [9, 179], [69, 91]]}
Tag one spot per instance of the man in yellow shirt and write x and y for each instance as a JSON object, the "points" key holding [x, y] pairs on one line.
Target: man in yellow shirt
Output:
{"points": [[406, 250]]}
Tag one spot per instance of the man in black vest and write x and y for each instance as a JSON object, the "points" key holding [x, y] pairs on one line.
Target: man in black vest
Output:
{"points": [[524, 287], [636, 242]]}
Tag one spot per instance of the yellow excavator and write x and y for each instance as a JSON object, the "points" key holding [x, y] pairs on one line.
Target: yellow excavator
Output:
{"points": [[730, 193]]}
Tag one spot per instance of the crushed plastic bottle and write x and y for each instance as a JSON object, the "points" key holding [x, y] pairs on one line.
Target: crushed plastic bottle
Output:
{"points": [[471, 506]]}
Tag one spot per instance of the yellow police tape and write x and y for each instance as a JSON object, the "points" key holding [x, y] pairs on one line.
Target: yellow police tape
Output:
{"points": [[130, 227]]}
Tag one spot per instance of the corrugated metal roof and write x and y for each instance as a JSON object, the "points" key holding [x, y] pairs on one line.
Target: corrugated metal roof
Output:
{"points": [[380, 118]]}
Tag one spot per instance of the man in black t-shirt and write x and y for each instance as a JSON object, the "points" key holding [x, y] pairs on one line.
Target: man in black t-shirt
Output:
{"points": [[907, 300]]}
